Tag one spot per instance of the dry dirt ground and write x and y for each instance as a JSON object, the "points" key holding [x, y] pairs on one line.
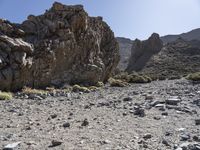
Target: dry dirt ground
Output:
{"points": [[135, 117]]}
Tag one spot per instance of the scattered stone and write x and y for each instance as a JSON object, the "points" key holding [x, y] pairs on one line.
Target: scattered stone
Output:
{"points": [[197, 121], [54, 116], [172, 101], [35, 97], [165, 142], [156, 117], [189, 146], [126, 99], [184, 145], [165, 113], [149, 97], [87, 107], [66, 125], [71, 114], [11, 146], [124, 114], [55, 143], [196, 138], [138, 111], [28, 128], [181, 129], [184, 137], [157, 103], [147, 136], [167, 133], [85, 123], [160, 106], [105, 142]]}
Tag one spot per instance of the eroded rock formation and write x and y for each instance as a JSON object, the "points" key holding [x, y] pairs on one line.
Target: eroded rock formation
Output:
{"points": [[64, 45], [175, 60], [15, 57], [142, 51], [169, 61]]}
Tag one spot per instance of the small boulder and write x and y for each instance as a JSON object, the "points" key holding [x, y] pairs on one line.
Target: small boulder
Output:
{"points": [[11, 146], [173, 101]]}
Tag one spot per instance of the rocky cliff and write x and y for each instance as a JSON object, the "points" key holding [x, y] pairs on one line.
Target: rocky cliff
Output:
{"points": [[173, 60], [64, 45], [125, 44], [189, 36], [142, 51]]}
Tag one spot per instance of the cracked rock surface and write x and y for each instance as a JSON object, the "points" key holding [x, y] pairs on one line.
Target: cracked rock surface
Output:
{"points": [[63, 45]]}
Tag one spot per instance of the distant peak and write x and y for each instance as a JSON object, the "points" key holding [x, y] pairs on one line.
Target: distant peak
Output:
{"points": [[61, 7]]}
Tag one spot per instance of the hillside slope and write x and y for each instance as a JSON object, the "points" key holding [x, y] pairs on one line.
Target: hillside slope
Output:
{"points": [[192, 35], [175, 59]]}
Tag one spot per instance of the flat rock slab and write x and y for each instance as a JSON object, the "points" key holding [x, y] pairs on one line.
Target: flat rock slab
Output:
{"points": [[173, 101], [11, 146]]}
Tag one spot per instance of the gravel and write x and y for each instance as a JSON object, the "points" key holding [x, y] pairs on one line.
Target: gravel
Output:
{"points": [[110, 118]]}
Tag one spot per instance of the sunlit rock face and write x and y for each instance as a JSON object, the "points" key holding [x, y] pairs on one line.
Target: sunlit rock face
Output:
{"points": [[64, 45], [15, 57]]}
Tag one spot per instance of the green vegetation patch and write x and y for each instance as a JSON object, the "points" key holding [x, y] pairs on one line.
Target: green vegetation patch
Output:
{"points": [[78, 88], [133, 78], [117, 82], [5, 96], [194, 76], [28, 91]]}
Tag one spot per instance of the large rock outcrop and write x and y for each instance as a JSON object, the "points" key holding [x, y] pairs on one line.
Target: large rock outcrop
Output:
{"points": [[142, 51], [64, 45], [172, 60], [15, 57], [125, 46], [175, 60]]}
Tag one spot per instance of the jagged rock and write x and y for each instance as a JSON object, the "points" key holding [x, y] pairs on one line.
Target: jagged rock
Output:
{"points": [[174, 60], [64, 45], [15, 58], [142, 51]]}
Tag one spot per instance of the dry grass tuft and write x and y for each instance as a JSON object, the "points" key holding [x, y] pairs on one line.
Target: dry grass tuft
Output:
{"points": [[6, 96]]}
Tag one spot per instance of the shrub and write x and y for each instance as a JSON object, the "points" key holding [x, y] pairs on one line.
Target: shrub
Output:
{"points": [[100, 84], [5, 96], [133, 78], [123, 76], [78, 88], [194, 76], [27, 90], [139, 79], [93, 88], [117, 83]]}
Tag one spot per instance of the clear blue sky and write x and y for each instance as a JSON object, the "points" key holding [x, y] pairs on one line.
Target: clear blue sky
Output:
{"points": [[127, 18]]}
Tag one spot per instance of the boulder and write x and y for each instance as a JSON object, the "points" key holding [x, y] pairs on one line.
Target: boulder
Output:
{"points": [[64, 45]]}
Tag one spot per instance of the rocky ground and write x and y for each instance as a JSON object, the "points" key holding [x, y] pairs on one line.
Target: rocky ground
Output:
{"points": [[162, 115]]}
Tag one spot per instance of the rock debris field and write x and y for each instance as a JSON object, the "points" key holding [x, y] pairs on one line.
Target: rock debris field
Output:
{"points": [[161, 115]]}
